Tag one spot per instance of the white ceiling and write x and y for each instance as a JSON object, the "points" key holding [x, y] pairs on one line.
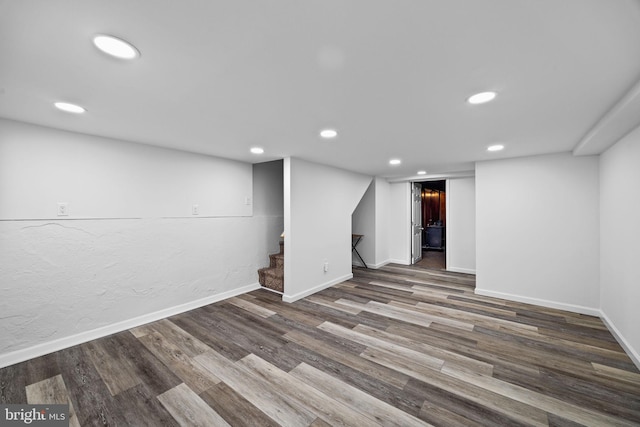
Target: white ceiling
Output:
{"points": [[218, 77]]}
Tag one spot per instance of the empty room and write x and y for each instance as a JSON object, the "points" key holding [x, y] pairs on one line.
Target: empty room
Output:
{"points": [[320, 213]]}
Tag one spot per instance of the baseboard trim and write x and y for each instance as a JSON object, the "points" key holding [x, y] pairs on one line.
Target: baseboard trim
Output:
{"points": [[631, 352], [296, 297], [462, 270], [398, 261], [372, 266], [38, 350], [541, 302]]}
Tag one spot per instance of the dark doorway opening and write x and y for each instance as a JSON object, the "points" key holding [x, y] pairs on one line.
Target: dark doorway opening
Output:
{"points": [[434, 214]]}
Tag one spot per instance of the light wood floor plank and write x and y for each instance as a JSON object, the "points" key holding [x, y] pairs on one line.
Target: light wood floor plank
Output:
{"points": [[281, 408], [364, 339], [52, 391], [189, 409], [192, 373], [379, 412], [555, 406], [251, 307], [325, 406], [325, 348], [520, 412]]}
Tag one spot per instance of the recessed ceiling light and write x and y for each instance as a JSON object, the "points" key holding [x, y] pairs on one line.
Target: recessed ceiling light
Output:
{"points": [[422, 172], [115, 47], [257, 150], [481, 98], [328, 133], [496, 147], [395, 162], [69, 108]]}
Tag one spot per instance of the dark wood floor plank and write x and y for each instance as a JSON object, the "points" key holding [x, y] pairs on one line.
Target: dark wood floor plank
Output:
{"points": [[234, 408], [151, 371], [203, 332], [140, 407], [12, 384], [92, 401], [183, 366], [467, 412]]}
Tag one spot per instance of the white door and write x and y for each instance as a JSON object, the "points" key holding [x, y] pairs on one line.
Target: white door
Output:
{"points": [[416, 223]]}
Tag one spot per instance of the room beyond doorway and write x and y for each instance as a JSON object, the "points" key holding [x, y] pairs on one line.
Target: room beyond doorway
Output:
{"points": [[434, 260], [434, 225]]}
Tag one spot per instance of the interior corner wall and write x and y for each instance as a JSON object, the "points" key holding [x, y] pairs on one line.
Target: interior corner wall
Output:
{"points": [[268, 202], [382, 204], [130, 250], [319, 202], [537, 222], [461, 225], [363, 222], [399, 227], [619, 241]]}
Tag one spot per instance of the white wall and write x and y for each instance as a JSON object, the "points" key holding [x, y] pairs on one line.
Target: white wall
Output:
{"points": [[399, 226], [268, 193], [620, 241], [319, 202], [461, 225], [65, 280], [382, 195], [268, 202], [107, 178], [537, 222], [363, 221]]}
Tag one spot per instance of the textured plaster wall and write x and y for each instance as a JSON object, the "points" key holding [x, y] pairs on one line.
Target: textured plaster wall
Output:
{"points": [[61, 278]]}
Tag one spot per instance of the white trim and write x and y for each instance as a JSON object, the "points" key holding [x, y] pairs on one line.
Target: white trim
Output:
{"points": [[398, 261], [296, 297], [633, 355], [434, 177], [447, 219], [372, 266], [461, 270], [66, 342], [541, 302]]}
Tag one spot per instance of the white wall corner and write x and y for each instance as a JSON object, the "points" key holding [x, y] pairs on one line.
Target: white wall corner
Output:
{"points": [[633, 354], [83, 337]]}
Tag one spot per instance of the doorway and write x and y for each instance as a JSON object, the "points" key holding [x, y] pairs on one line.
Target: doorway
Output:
{"points": [[433, 224]]}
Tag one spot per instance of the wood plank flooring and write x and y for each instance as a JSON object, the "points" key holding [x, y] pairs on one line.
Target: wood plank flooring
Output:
{"points": [[399, 346]]}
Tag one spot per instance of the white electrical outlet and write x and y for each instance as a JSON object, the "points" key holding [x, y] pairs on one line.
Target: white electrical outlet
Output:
{"points": [[247, 201], [63, 209], [195, 210], [326, 266]]}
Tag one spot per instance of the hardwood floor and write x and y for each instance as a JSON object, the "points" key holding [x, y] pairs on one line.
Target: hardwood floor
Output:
{"points": [[399, 346]]}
